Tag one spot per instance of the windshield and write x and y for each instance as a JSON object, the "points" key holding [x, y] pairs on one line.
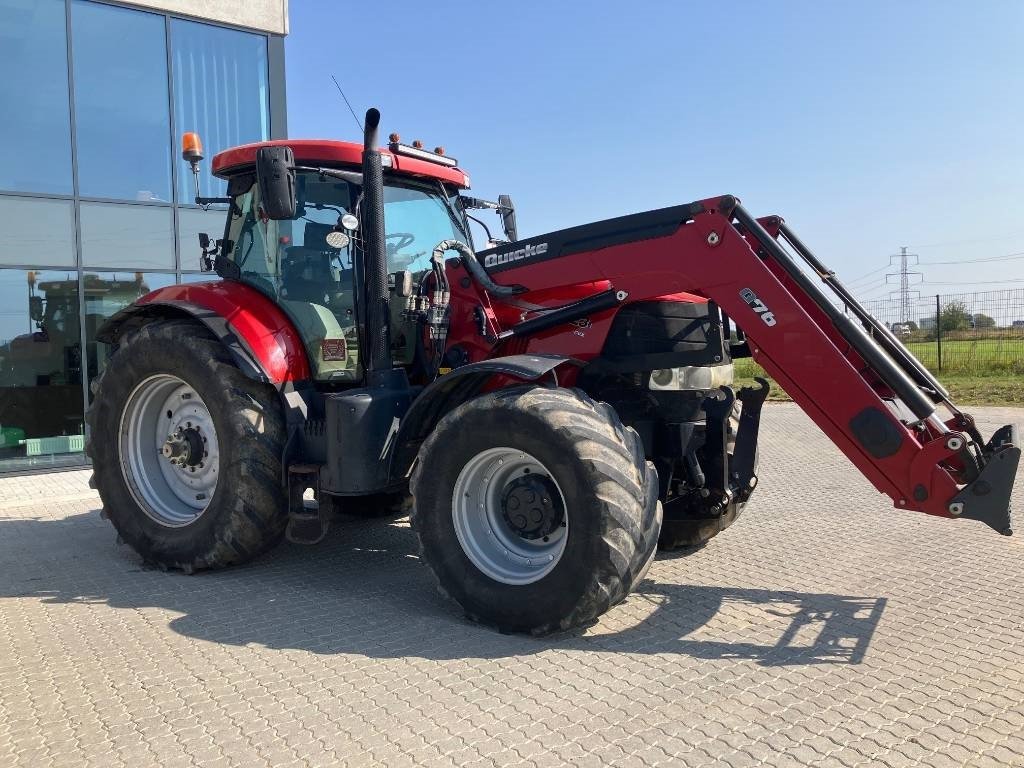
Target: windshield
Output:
{"points": [[417, 218], [314, 280]]}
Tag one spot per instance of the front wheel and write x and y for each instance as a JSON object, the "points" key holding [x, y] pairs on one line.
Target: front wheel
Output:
{"points": [[535, 508], [686, 530]]}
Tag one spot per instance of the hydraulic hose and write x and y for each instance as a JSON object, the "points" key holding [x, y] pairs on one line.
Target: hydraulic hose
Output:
{"points": [[475, 269]]}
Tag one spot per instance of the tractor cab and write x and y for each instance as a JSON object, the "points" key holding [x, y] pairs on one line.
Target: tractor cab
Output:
{"points": [[309, 262]]}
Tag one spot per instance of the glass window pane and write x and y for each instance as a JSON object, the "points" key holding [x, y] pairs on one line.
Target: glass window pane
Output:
{"points": [[35, 130], [199, 277], [36, 231], [220, 91], [121, 111], [127, 236], [105, 294], [40, 369], [192, 221]]}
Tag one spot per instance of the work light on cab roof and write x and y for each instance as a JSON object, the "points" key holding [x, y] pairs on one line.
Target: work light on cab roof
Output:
{"points": [[416, 150]]}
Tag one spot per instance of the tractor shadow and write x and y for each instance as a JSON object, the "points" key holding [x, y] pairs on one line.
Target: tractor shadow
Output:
{"points": [[363, 591]]}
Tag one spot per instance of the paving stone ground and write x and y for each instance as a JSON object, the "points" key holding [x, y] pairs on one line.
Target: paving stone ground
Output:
{"points": [[824, 628]]}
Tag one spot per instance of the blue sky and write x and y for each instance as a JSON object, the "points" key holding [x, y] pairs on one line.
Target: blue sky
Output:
{"points": [[869, 125]]}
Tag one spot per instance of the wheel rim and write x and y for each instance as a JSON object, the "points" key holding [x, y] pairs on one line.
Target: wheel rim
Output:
{"points": [[170, 457], [510, 516]]}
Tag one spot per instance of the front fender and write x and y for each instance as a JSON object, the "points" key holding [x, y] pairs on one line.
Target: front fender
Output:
{"points": [[455, 388], [256, 331]]}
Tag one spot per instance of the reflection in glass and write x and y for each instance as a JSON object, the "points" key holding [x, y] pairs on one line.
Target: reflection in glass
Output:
{"points": [[105, 294], [40, 369], [35, 130], [220, 91], [36, 231], [121, 111], [127, 236], [199, 277], [192, 221]]}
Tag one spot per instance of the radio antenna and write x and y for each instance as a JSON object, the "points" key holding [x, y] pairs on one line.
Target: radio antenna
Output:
{"points": [[354, 117]]}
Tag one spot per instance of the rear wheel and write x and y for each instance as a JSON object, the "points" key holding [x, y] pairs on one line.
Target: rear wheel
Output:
{"points": [[186, 450], [535, 508]]}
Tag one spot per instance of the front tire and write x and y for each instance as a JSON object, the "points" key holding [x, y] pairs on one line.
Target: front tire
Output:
{"points": [[186, 450], [535, 508], [688, 532]]}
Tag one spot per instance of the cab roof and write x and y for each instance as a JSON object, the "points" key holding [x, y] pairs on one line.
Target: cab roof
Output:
{"points": [[335, 154]]}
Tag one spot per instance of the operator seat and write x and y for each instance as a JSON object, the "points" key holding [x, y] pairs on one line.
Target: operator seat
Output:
{"points": [[306, 269], [318, 295]]}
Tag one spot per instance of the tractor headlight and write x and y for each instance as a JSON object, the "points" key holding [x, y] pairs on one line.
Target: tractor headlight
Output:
{"points": [[692, 377]]}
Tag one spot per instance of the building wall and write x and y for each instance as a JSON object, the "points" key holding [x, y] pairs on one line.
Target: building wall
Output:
{"points": [[95, 200], [264, 15]]}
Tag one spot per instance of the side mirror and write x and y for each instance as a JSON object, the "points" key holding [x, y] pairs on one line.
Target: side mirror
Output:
{"points": [[507, 209], [275, 175], [35, 308]]}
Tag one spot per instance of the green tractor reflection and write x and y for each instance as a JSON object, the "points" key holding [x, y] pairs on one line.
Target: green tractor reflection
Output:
{"points": [[41, 371]]}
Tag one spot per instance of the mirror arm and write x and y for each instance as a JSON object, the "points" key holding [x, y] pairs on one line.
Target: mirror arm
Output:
{"points": [[476, 202], [205, 202]]}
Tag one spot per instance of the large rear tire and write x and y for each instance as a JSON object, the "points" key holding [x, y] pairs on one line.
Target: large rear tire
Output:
{"points": [[535, 508], [186, 450]]}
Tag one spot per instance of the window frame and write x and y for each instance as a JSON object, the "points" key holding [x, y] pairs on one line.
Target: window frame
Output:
{"points": [[182, 249]]}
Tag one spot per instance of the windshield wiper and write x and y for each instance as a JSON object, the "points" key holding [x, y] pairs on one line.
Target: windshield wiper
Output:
{"points": [[334, 173]]}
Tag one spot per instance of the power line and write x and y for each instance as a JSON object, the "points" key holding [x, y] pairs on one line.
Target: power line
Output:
{"points": [[971, 242], [974, 282], [1007, 257], [867, 274]]}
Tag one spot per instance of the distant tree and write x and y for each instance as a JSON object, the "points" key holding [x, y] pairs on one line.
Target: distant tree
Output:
{"points": [[954, 317], [911, 326], [983, 321]]}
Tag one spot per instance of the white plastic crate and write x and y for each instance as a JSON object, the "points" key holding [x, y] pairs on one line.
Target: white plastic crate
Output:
{"points": [[43, 446]]}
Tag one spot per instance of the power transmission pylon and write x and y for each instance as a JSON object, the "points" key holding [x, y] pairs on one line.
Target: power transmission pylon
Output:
{"points": [[904, 274]]}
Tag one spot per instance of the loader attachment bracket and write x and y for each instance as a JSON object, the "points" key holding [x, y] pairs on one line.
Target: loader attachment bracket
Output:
{"points": [[717, 409], [744, 455], [988, 498]]}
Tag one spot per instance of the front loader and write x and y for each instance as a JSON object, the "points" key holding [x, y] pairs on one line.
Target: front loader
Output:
{"points": [[548, 409]]}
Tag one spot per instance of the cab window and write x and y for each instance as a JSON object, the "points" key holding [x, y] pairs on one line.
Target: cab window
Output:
{"points": [[292, 262]]}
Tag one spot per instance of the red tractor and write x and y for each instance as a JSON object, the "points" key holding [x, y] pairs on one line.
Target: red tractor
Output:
{"points": [[553, 406]]}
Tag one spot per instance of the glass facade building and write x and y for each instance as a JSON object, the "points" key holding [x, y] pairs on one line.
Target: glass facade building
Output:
{"points": [[95, 201]]}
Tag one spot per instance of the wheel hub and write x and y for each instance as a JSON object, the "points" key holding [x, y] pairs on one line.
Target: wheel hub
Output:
{"points": [[184, 448], [532, 507]]}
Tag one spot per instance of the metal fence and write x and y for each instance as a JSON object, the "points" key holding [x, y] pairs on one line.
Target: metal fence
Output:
{"points": [[960, 332]]}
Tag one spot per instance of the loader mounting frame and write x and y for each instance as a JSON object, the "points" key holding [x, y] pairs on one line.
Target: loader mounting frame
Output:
{"points": [[843, 367]]}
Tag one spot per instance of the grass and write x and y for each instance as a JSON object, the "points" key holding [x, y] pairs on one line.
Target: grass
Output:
{"points": [[985, 385], [969, 356]]}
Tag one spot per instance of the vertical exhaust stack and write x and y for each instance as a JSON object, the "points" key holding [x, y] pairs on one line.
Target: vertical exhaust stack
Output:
{"points": [[375, 270], [363, 466]]}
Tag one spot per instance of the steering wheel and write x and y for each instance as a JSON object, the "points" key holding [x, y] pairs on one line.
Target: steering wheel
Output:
{"points": [[404, 239]]}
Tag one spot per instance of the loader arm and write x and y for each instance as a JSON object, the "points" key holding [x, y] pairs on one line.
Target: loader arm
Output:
{"points": [[866, 391]]}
